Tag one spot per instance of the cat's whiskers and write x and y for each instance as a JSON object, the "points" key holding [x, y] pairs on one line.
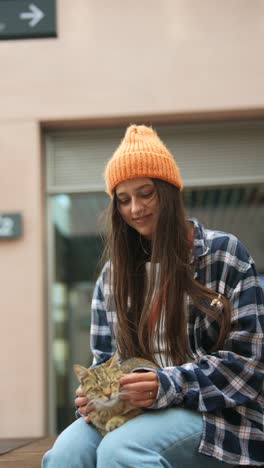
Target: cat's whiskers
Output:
{"points": [[106, 403], [91, 402]]}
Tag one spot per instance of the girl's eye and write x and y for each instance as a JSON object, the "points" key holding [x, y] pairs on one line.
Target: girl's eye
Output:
{"points": [[147, 195], [123, 202]]}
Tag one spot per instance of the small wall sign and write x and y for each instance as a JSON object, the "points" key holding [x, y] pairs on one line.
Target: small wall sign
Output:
{"points": [[21, 19], [10, 225]]}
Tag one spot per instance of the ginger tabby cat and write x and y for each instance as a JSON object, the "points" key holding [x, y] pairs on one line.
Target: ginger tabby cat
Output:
{"points": [[101, 385]]}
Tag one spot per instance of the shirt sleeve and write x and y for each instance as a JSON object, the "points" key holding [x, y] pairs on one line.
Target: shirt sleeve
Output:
{"points": [[102, 341], [229, 377]]}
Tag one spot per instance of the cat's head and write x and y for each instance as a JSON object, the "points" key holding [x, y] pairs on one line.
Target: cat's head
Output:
{"points": [[100, 383]]}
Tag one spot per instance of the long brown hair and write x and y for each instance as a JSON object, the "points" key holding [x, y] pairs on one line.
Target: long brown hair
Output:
{"points": [[135, 296]]}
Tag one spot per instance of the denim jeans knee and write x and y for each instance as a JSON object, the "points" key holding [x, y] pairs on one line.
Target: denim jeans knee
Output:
{"points": [[75, 447]]}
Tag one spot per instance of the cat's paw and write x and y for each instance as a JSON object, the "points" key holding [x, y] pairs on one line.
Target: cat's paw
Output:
{"points": [[114, 422]]}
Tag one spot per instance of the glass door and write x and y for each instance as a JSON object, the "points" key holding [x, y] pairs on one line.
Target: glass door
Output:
{"points": [[77, 247]]}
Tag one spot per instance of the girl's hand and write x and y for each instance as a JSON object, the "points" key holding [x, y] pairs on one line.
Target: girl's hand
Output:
{"points": [[140, 388], [82, 404]]}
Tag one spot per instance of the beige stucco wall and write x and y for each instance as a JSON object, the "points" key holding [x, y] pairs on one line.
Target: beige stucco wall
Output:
{"points": [[111, 58], [22, 389], [150, 56]]}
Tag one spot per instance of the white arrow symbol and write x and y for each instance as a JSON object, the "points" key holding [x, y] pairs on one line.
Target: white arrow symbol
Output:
{"points": [[35, 15]]}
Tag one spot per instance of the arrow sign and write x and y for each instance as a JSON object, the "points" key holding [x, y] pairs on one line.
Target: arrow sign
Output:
{"points": [[20, 19], [35, 15]]}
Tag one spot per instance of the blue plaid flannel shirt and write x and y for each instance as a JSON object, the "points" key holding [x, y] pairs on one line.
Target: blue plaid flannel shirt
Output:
{"points": [[226, 386]]}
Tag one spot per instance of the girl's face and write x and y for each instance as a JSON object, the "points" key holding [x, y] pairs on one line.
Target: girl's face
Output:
{"points": [[137, 202]]}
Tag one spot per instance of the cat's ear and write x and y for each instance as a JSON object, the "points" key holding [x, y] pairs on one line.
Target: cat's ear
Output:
{"points": [[114, 360], [80, 372]]}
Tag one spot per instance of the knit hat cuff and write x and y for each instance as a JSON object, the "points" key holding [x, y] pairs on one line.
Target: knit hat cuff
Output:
{"points": [[143, 164]]}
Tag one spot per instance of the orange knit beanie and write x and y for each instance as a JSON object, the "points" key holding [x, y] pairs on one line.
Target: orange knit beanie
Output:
{"points": [[141, 153]]}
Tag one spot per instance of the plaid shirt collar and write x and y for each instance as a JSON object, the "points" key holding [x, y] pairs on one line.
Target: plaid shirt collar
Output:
{"points": [[200, 242]]}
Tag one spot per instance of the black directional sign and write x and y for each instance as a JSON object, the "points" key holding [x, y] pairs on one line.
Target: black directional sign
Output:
{"points": [[20, 19]]}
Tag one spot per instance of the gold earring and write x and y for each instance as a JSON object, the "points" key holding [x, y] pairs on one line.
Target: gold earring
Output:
{"points": [[217, 302]]}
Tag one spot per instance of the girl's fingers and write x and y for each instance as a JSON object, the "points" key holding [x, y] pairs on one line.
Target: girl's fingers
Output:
{"points": [[146, 383], [81, 401], [79, 392], [143, 400], [87, 419], [142, 396], [139, 377], [139, 387], [142, 403], [139, 396], [85, 410]]}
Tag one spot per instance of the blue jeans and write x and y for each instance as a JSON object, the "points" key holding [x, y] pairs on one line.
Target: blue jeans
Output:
{"points": [[167, 438]]}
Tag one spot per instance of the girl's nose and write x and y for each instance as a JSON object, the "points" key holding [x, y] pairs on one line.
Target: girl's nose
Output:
{"points": [[135, 205]]}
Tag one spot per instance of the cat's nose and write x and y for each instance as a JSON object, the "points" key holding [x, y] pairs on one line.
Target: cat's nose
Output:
{"points": [[108, 393]]}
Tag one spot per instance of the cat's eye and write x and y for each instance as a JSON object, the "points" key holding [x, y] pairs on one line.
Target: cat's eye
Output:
{"points": [[98, 388]]}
